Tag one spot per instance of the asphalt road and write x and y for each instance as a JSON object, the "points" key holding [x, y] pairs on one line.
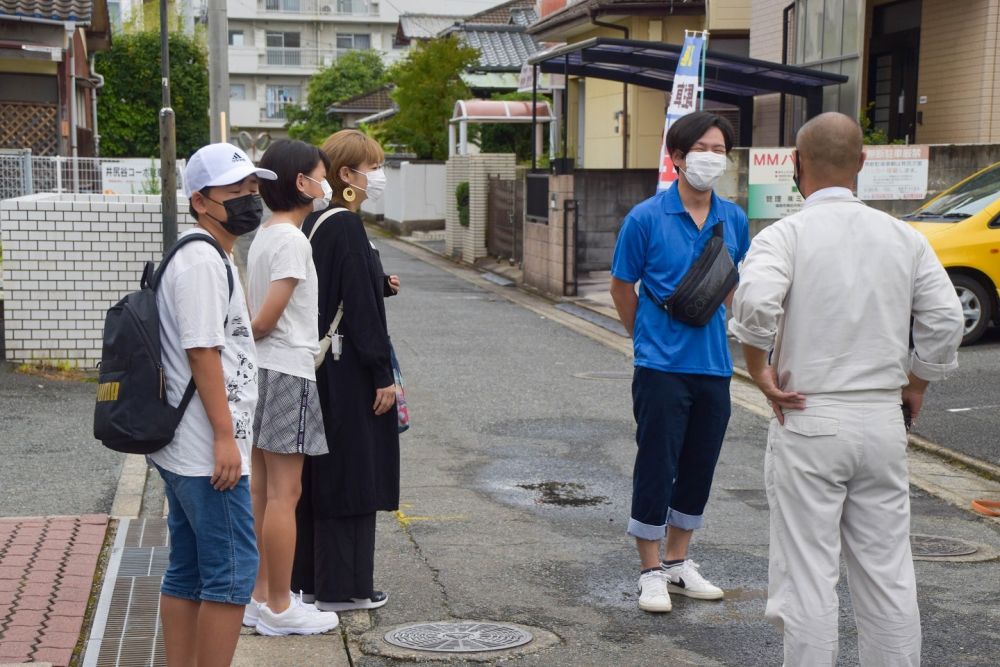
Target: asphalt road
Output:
{"points": [[49, 460], [516, 482]]}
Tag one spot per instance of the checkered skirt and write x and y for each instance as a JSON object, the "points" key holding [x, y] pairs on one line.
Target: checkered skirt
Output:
{"points": [[289, 419]]}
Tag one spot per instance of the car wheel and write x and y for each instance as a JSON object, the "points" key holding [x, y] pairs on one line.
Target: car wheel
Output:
{"points": [[977, 306]]}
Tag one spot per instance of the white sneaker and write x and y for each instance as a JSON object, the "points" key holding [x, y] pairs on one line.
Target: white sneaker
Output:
{"points": [[298, 619], [653, 594], [687, 580], [251, 614]]}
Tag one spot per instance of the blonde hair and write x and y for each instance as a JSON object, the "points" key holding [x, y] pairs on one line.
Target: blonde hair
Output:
{"points": [[349, 148]]}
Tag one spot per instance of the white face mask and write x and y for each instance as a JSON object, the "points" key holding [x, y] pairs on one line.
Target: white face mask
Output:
{"points": [[704, 169], [376, 183], [320, 203]]}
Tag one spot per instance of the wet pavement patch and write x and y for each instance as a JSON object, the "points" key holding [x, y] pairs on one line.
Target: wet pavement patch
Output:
{"points": [[565, 494]]}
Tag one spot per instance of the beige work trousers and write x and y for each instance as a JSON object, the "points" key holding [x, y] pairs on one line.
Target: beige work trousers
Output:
{"points": [[836, 479]]}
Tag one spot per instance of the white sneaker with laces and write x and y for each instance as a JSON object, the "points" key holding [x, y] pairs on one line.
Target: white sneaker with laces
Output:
{"points": [[298, 619], [653, 594], [685, 579], [251, 614]]}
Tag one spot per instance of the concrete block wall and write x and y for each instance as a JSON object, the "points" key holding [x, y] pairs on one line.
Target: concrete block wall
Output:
{"points": [[67, 259], [549, 252], [469, 243]]}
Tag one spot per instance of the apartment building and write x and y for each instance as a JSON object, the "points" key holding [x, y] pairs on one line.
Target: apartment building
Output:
{"points": [[275, 46]]}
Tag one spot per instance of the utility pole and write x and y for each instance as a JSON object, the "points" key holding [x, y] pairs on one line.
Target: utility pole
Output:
{"points": [[168, 140], [218, 69]]}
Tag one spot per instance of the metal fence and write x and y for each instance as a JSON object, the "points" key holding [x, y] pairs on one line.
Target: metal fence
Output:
{"points": [[22, 173]]}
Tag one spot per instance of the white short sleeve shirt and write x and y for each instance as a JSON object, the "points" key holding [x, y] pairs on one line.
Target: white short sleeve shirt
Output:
{"points": [[282, 251], [194, 304]]}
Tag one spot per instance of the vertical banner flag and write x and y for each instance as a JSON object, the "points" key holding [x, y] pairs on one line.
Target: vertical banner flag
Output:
{"points": [[683, 98]]}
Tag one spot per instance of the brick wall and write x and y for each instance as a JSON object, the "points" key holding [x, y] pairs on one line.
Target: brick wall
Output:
{"points": [[67, 259], [469, 243], [545, 254]]}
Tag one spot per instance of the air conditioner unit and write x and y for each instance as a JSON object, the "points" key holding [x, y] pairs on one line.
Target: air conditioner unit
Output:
{"points": [[326, 9]]}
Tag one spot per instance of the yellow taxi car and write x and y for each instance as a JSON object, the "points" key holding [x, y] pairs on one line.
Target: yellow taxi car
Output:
{"points": [[963, 226]]}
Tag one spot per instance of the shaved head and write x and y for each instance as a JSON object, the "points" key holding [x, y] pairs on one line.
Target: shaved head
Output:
{"points": [[831, 146]]}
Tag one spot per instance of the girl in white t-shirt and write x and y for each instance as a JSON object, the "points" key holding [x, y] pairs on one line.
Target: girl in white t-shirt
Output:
{"points": [[288, 424]]}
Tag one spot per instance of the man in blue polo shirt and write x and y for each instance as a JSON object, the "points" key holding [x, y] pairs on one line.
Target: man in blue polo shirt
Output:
{"points": [[680, 390]]}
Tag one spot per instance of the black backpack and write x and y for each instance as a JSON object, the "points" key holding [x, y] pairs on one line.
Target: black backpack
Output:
{"points": [[132, 414]]}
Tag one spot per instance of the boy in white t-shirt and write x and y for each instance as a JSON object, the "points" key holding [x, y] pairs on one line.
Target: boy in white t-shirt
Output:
{"points": [[205, 335]]}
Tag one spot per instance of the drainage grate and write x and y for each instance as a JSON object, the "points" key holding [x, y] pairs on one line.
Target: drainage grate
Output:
{"points": [[604, 375], [126, 624], [935, 546], [458, 636]]}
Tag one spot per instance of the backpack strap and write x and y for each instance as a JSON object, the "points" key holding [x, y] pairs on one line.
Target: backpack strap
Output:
{"points": [[322, 218], [154, 282]]}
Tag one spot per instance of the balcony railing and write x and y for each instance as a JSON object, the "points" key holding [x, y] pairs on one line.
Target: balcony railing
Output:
{"points": [[309, 59], [331, 7], [275, 110]]}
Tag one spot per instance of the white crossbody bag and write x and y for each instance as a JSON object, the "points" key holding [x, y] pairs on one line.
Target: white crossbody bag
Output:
{"points": [[326, 342]]}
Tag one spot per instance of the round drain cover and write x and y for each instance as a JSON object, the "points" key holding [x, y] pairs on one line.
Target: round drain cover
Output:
{"points": [[935, 546], [458, 636], [604, 375]]}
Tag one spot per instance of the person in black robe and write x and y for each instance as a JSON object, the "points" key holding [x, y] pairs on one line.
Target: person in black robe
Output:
{"points": [[342, 491]]}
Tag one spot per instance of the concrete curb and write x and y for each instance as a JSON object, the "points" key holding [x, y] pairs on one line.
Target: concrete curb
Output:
{"points": [[131, 486]]}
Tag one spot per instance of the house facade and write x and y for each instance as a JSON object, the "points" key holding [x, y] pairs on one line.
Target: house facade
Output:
{"points": [[922, 71], [616, 125], [48, 86]]}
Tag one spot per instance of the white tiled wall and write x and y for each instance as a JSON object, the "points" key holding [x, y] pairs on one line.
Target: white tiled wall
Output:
{"points": [[66, 259]]}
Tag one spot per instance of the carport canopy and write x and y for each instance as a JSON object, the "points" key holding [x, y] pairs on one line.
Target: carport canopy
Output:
{"points": [[729, 79]]}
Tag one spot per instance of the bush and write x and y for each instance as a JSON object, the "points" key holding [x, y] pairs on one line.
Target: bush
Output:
{"points": [[462, 199]]}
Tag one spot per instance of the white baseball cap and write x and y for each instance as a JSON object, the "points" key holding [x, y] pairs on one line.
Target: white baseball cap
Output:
{"points": [[219, 164]]}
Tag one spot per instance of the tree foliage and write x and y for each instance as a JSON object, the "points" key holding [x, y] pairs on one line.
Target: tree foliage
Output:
{"points": [[128, 107], [353, 73], [427, 87]]}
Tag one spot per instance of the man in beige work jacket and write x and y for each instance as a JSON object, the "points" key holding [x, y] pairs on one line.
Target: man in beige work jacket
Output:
{"points": [[830, 292]]}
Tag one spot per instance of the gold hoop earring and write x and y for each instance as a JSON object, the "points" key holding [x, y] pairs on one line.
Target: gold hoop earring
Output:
{"points": [[349, 194]]}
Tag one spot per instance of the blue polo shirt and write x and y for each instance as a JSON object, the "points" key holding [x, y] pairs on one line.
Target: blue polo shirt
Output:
{"points": [[657, 244]]}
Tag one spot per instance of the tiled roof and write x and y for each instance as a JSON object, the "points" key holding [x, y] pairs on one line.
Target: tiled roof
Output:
{"points": [[80, 11], [423, 26], [521, 16], [503, 13], [371, 101], [500, 46]]}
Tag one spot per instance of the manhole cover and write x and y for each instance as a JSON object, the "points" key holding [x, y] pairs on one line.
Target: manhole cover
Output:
{"points": [[458, 637], [935, 546], [604, 375]]}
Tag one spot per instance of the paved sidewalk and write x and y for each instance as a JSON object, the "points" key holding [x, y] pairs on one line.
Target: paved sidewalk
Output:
{"points": [[47, 569]]}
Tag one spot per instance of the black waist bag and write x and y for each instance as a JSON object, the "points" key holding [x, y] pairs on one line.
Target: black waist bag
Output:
{"points": [[705, 286], [132, 414]]}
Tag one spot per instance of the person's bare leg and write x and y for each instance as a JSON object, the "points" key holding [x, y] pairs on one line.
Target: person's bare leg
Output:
{"points": [[258, 494], [284, 486], [649, 552], [678, 541], [180, 622], [217, 633]]}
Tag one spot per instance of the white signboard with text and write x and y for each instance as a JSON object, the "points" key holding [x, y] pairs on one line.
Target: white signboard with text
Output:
{"points": [[894, 172], [134, 176], [771, 190]]}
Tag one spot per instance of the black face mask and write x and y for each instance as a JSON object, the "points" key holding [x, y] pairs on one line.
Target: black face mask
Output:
{"points": [[797, 175], [243, 214]]}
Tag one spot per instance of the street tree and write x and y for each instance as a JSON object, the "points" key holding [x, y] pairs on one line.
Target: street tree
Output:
{"points": [[351, 74], [428, 84], [129, 104]]}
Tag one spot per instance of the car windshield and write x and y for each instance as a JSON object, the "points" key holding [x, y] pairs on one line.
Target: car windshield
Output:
{"points": [[964, 201]]}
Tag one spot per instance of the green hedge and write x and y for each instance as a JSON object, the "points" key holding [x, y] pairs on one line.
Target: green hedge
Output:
{"points": [[462, 199]]}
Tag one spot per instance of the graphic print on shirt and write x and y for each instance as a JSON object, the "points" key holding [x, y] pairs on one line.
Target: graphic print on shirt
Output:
{"points": [[240, 329], [241, 425], [245, 374]]}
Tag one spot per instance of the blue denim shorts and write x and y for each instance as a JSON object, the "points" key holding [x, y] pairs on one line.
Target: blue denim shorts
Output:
{"points": [[213, 549]]}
